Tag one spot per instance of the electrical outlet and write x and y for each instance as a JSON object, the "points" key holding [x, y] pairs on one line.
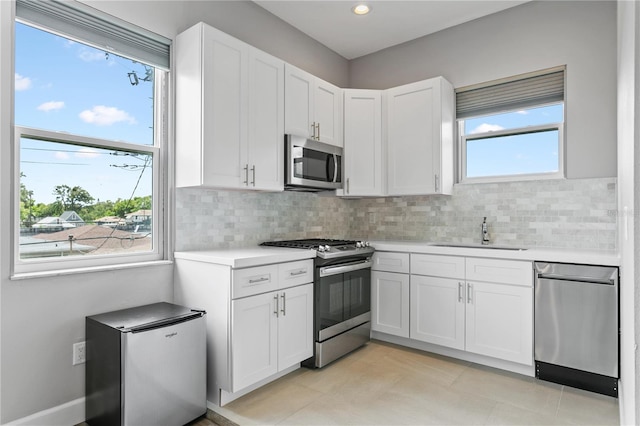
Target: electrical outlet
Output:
{"points": [[79, 353]]}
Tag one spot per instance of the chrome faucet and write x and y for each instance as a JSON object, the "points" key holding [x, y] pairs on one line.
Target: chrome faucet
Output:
{"points": [[485, 232]]}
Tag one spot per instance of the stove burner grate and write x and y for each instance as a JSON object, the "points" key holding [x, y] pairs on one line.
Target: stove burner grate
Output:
{"points": [[311, 243]]}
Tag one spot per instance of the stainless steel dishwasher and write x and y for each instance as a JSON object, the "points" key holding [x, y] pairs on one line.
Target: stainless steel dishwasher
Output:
{"points": [[576, 326]]}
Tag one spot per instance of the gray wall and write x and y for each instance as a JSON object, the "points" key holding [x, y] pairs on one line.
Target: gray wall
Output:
{"points": [[526, 38], [242, 19], [40, 319]]}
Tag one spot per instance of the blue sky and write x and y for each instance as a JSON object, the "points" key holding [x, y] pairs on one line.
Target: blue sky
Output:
{"points": [[70, 87], [529, 153]]}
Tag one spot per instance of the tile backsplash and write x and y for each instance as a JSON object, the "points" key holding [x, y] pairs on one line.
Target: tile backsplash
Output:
{"points": [[571, 213]]}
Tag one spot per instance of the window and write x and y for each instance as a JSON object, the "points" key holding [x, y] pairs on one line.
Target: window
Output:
{"points": [[90, 138], [512, 130]]}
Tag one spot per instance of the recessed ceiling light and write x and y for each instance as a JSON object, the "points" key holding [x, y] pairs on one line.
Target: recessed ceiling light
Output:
{"points": [[361, 9]]}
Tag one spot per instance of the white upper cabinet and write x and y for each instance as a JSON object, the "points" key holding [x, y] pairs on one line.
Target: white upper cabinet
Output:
{"points": [[313, 107], [265, 153], [420, 119], [229, 113], [363, 164]]}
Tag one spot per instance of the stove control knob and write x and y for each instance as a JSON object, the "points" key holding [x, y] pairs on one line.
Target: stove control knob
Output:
{"points": [[367, 244], [327, 248], [320, 248], [359, 244]]}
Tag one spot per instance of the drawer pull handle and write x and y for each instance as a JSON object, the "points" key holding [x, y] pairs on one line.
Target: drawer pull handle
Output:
{"points": [[258, 280], [300, 272], [275, 297], [284, 304]]}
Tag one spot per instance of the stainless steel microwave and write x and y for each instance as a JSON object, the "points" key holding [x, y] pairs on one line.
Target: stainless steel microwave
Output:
{"points": [[311, 165]]}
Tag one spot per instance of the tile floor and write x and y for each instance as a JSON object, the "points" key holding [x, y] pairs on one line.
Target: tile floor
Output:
{"points": [[384, 384]]}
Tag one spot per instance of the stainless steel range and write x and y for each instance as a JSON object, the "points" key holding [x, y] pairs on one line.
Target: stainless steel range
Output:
{"points": [[342, 296]]}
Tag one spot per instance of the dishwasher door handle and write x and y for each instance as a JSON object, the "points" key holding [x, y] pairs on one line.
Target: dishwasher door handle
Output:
{"points": [[586, 280]]}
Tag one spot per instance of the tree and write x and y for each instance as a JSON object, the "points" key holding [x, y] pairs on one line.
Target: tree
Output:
{"points": [[72, 198], [26, 204]]}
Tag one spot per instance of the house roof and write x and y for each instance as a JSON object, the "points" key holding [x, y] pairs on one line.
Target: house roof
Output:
{"points": [[71, 216], [139, 213], [53, 222], [105, 239]]}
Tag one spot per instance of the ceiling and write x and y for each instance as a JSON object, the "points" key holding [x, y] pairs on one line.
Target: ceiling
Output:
{"points": [[389, 23]]}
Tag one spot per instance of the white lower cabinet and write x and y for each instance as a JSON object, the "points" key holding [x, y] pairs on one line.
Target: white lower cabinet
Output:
{"points": [[390, 293], [477, 305], [255, 338], [488, 318], [390, 303], [437, 311], [271, 332], [499, 321], [259, 319]]}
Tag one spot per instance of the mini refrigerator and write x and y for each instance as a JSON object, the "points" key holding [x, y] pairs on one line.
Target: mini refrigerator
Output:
{"points": [[146, 366]]}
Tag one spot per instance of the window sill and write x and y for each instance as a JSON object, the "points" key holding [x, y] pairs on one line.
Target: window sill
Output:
{"points": [[87, 270], [512, 178]]}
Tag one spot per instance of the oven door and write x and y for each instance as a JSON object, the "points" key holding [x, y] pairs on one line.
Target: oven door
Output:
{"points": [[343, 298]]}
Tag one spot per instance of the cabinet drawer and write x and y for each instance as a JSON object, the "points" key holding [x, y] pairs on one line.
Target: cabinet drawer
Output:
{"points": [[391, 262], [515, 272], [250, 281], [295, 273], [437, 266]]}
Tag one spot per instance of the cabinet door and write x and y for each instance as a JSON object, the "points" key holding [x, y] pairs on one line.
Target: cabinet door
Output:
{"points": [[295, 325], [500, 321], [299, 91], [225, 85], [265, 145], [363, 143], [390, 303], [411, 111], [254, 339], [438, 311], [328, 112]]}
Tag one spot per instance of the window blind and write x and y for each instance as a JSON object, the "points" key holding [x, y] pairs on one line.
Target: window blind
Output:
{"points": [[511, 95], [87, 25]]}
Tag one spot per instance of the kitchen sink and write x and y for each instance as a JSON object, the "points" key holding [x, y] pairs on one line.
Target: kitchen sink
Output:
{"points": [[478, 246]]}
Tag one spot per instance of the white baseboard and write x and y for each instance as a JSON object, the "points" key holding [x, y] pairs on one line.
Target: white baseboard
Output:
{"points": [[70, 413], [526, 370]]}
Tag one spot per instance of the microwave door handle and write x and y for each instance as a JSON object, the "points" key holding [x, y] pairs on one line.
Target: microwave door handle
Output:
{"points": [[335, 168], [328, 165]]}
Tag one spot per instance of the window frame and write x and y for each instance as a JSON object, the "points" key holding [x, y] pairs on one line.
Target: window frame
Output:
{"points": [[462, 149], [23, 268]]}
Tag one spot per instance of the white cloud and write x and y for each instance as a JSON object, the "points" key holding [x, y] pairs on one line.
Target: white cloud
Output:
{"points": [[486, 127], [522, 112], [101, 115], [51, 106], [22, 82], [86, 153], [61, 155], [91, 55]]}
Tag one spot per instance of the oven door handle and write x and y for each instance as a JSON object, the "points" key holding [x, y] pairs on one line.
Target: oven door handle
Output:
{"points": [[341, 269]]}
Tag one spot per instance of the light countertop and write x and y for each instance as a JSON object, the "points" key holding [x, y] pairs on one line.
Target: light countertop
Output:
{"points": [[256, 256], [592, 257], [247, 257]]}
